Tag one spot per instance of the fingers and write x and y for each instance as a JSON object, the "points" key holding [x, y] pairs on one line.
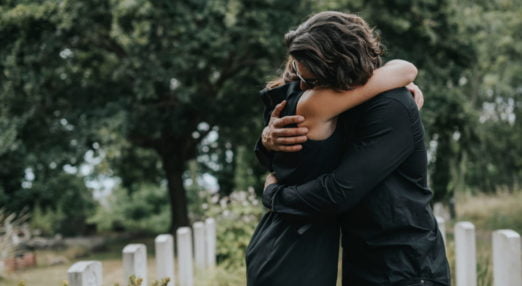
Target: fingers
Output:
{"points": [[277, 137], [420, 101], [416, 98], [284, 139], [417, 94], [288, 132], [278, 108], [412, 88], [287, 120]]}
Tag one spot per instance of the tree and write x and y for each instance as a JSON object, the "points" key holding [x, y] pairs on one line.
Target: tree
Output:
{"points": [[493, 86], [150, 71]]}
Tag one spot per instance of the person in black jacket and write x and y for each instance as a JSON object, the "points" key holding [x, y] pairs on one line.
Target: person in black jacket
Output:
{"points": [[379, 193], [294, 250]]}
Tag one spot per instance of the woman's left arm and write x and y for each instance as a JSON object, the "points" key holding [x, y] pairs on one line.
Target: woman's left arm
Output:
{"points": [[325, 104]]}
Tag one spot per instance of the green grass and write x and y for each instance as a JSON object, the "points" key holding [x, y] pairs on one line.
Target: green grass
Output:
{"points": [[492, 212], [488, 213]]}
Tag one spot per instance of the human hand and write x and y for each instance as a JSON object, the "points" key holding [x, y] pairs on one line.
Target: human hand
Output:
{"points": [[417, 94], [276, 137], [270, 179]]}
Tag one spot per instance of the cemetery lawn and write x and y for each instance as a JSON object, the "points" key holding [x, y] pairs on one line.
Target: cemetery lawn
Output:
{"points": [[486, 212], [47, 274]]}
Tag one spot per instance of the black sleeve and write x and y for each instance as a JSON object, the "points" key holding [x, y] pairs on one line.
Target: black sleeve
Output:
{"points": [[263, 155], [383, 141]]}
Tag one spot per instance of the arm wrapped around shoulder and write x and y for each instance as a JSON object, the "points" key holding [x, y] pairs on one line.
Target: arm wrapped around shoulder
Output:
{"points": [[384, 140]]}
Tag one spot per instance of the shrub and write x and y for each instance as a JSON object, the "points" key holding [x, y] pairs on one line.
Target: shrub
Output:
{"points": [[236, 216]]}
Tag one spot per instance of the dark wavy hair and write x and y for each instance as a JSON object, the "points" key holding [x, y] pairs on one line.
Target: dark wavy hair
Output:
{"points": [[340, 49]]}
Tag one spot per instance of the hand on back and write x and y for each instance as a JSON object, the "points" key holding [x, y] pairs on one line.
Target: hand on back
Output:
{"points": [[417, 94], [276, 137]]}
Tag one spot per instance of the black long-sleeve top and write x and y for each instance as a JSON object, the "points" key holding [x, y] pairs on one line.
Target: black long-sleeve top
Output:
{"points": [[380, 192]]}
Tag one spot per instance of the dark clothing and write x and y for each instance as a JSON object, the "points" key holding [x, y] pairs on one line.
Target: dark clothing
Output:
{"points": [[380, 192], [293, 250]]}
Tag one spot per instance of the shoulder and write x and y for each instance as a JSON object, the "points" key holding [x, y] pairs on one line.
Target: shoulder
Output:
{"points": [[273, 96], [394, 100], [391, 108]]}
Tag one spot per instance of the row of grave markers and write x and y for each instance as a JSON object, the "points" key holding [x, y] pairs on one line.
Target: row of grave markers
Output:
{"points": [[507, 265], [507, 258], [198, 251]]}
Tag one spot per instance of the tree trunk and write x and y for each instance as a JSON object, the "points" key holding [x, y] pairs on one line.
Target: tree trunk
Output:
{"points": [[178, 198], [442, 175], [452, 208]]}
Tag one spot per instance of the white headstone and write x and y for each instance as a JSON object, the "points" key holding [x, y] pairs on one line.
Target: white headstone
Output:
{"points": [[85, 273], [11, 234], [185, 262], [164, 246], [507, 267], [135, 262], [199, 245], [465, 254], [442, 227], [210, 232], [26, 231]]}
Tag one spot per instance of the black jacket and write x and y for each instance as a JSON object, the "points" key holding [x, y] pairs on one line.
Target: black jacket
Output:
{"points": [[380, 193]]}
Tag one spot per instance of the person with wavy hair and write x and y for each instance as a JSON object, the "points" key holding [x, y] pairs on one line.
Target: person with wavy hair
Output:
{"points": [[344, 143]]}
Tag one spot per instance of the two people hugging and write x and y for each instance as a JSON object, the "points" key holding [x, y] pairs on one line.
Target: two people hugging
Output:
{"points": [[344, 143]]}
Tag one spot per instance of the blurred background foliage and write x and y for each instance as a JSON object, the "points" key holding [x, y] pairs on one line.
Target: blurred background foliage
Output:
{"points": [[142, 115]]}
